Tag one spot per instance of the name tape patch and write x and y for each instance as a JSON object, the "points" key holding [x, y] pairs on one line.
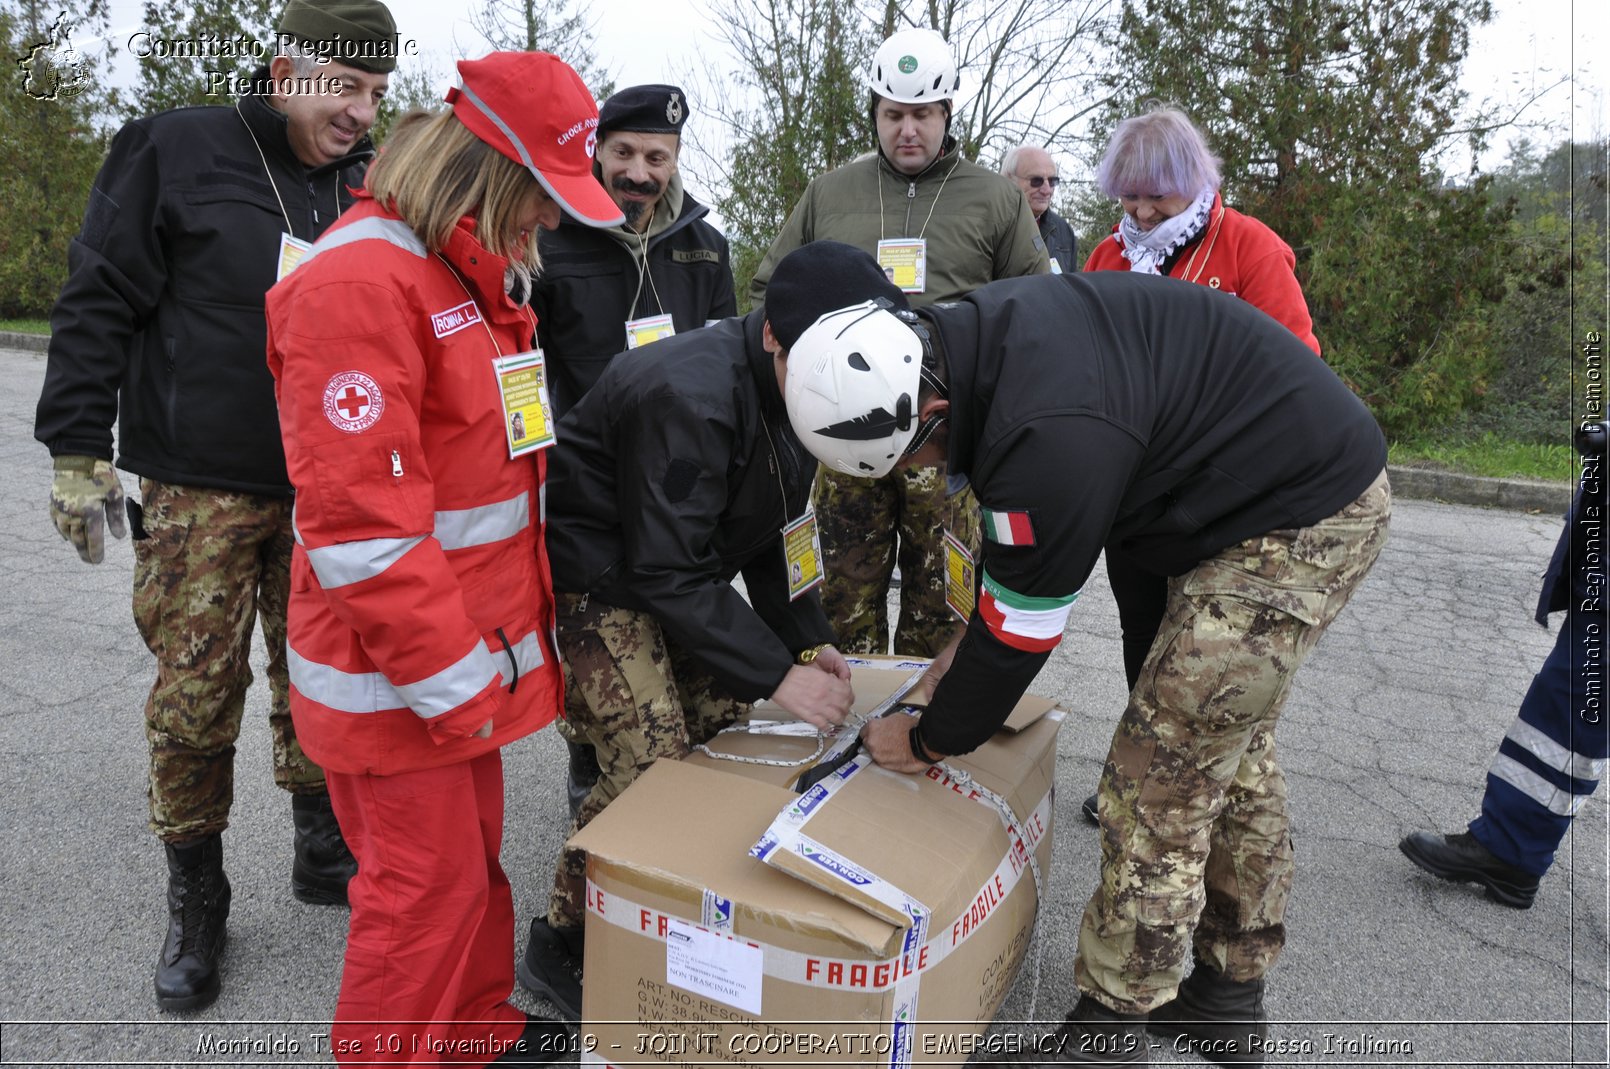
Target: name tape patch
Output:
{"points": [[454, 320]]}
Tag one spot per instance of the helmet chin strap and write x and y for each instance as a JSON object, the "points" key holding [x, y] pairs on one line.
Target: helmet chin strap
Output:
{"points": [[926, 430]]}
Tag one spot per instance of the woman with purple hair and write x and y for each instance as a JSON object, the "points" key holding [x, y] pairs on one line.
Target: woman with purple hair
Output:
{"points": [[1159, 168]]}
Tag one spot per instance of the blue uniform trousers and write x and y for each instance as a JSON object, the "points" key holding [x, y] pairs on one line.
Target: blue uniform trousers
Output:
{"points": [[1552, 757]]}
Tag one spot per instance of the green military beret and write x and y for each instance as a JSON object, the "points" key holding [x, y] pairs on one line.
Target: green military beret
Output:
{"points": [[359, 33]]}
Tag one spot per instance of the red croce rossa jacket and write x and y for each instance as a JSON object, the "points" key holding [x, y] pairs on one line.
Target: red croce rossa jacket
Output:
{"points": [[1237, 254], [421, 602]]}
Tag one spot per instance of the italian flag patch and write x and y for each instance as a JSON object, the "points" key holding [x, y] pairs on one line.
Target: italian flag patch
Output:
{"points": [[1033, 625], [1008, 528]]}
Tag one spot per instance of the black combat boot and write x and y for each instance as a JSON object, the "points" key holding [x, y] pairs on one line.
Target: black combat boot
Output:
{"points": [[1092, 1035], [552, 966], [584, 772], [198, 907], [1221, 1019], [1460, 857], [323, 865]]}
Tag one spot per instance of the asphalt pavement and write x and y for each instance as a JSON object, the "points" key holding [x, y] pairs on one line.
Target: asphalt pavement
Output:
{"points": [[1388, 730]]}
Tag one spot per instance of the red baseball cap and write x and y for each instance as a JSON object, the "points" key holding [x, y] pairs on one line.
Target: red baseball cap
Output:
{"points": [[534, 109]]}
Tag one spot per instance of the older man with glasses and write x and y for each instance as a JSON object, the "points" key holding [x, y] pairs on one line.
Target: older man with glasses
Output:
{"points": [[1036, 175]]}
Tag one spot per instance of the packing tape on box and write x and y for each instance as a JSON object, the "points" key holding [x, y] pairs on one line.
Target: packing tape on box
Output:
{"points": [[796, 967], [1023, 837], [786, 833]]}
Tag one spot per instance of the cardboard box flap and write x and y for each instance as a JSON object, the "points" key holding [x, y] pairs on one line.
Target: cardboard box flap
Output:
{"points": [[839, 837], [646, 830], [1029, 710]]}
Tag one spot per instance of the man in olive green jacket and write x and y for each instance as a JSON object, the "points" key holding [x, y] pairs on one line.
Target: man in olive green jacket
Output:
{"points": [[941, 226]]}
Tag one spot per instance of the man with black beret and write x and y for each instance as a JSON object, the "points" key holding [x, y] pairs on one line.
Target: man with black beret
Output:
{"points": [[194, 215], [676, 473], [664, 271]]}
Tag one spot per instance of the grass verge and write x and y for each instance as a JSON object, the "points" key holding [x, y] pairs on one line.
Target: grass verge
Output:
{"points": [[1486, 454], [25, 326]]}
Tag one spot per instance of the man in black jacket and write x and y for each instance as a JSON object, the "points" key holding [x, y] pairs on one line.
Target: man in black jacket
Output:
{"points": [[664, 271], [194, 215], [675, 474], [1195, 433], [1035, 173], [602, 291]]}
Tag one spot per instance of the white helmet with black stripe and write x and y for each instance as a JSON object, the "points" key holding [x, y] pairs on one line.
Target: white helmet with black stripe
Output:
{"points": [[852, 390]]}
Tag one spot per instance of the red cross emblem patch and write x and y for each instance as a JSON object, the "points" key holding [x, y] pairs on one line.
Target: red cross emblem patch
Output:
{"points": [[353, 401]]}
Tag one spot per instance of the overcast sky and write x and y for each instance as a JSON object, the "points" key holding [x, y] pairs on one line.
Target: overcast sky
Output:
{"points": [[1529, 45]]}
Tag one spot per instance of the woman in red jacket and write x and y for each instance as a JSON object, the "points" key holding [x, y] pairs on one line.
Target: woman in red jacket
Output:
{"points": [[421, 611], [1159, 168]]}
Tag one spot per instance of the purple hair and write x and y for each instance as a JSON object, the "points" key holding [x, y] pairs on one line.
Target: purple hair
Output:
{"points": [[1157, 153]]}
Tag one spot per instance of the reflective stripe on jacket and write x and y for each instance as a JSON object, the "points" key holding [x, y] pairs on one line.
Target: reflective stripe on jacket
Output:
{"points": [[421, 602]]}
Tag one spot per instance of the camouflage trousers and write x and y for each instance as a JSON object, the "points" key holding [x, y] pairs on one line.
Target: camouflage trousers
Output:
{"points": [[211, 563], [636, 698], [1195, 843], [869, 524]]}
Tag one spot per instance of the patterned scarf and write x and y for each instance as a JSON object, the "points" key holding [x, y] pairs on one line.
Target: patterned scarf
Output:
{"points": [[1147, 249]]}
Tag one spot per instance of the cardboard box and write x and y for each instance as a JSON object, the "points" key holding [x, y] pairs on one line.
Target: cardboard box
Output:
{"points": [[877, 920]]}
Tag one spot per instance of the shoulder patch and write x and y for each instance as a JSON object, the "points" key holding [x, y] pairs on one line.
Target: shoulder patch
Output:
{"points": [[695, 256], [1006, 527], [98, 219], [353, 401], [681, 476]]}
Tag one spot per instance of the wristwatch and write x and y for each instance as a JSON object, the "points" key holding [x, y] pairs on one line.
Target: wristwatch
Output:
{"points": [[806, 656]]}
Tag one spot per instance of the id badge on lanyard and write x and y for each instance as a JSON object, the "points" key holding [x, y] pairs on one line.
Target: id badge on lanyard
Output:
{"points": [[960, 578], [292, 249], [648, 329], [527, 413], [905, 262], [802, 550]]}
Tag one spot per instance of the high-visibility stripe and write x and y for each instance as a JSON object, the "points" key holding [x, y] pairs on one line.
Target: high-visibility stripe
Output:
{"points": [[1550, 796], [1008, 528], [1552, 753], [1033, 625], [484, 524], [372, 692], [393, 231], [353, 562]]}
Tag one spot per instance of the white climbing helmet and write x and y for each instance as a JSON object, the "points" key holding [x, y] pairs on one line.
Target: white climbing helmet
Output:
{"points": [[914, 67], [851, 389]]}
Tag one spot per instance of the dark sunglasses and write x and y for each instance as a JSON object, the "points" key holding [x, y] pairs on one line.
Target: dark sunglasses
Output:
{"points": [[1036, 181]]}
